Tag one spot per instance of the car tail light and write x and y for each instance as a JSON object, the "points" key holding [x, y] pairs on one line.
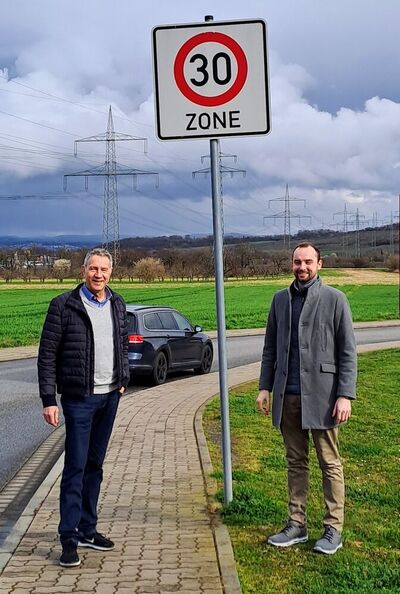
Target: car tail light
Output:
{"points": [[135, 338]]}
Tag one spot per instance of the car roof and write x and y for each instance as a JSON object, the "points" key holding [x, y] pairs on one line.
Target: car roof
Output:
{"points": [[133, 307]]}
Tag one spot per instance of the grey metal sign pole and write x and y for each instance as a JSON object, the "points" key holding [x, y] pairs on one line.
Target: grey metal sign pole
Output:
{"points": [[215, 166], [219, 291]]}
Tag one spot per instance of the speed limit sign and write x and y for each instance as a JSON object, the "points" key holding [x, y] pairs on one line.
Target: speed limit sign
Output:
{"points": [[211, 79]]}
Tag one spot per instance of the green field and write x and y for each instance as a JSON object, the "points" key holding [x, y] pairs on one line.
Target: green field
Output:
{"points": [[370, 445], [246, 302]]}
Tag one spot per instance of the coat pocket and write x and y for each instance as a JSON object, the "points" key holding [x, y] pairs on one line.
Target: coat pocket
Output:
{"points": [[329, 367]]}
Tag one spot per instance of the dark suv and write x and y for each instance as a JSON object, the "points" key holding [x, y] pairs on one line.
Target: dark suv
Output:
{"points": [[161, 340]]}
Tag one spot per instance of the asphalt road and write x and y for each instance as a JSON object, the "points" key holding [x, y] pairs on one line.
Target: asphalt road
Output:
{"points": [[22, 428]]}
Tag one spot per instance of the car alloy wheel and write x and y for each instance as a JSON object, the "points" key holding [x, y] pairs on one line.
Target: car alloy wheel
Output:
{"points": [[206, 361], [160, 369]]}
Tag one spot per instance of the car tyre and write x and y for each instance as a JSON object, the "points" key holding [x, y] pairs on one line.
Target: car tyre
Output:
{"points": [[206, 361], [160, 369]]}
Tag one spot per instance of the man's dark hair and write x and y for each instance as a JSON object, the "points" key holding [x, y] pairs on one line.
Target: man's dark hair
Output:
{"points": [[305, 244]]}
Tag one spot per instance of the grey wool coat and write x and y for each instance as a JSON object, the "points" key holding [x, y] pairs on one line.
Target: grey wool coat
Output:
{"points": [[327, 347]]}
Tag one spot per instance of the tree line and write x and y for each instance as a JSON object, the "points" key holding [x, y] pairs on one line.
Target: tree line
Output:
{"points": [[241, 261]]}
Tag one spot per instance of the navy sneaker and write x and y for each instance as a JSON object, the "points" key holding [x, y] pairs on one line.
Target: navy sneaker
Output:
{"points": [[96, 541], [69, 556]]}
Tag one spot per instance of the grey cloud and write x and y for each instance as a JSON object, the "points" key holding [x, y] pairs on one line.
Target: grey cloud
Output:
{"points": [[334, 96]]}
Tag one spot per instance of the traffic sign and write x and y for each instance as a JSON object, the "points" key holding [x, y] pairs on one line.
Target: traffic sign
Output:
{"points": [[211, 79]]}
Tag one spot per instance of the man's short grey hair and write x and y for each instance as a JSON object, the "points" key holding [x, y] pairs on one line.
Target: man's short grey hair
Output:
{"points": [[98, 252]]}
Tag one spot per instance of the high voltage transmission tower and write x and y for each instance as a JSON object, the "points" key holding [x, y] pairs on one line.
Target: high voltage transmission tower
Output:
{"points": [[110, 171], [345, 228], [287, 215], [374, 228], [376, 223], [225, 170], [392, 219], [356, 222]]}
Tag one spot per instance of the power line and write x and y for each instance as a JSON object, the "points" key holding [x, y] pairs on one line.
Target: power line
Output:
{"points": [[51, 96]]}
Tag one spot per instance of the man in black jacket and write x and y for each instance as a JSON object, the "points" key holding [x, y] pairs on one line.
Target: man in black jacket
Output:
{"points": [[83, 355]]}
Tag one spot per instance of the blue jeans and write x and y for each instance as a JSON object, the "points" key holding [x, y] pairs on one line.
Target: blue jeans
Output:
{"points": [[88, 426]]}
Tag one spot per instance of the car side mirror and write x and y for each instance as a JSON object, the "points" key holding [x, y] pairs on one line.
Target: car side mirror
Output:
{"points": [[198, 329]]}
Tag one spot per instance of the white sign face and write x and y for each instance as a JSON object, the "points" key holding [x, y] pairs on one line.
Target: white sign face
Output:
{"points": [[211, 79]]}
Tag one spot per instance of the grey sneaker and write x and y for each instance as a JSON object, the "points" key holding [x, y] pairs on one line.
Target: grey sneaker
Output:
{"points": [[330, 541], [290, 535]]}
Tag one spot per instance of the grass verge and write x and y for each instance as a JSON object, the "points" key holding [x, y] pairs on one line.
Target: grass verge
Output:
{"points": [[23, 309], [370, 447]]}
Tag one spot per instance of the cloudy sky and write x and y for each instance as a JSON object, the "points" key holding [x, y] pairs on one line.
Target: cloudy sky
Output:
{"points": [[335, 101]]}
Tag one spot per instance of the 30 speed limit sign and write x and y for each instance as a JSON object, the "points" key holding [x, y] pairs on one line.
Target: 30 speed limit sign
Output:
{"points": [[211, 79]]}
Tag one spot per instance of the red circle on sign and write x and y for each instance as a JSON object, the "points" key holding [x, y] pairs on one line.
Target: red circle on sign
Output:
{"points": [[210, 101]]}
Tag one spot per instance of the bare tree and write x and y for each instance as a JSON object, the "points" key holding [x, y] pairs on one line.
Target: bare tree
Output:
{"points": [[120, 272], [392, 263], [9, 275], [281, 263], [26, 275], [42, 273], [61, 269]]}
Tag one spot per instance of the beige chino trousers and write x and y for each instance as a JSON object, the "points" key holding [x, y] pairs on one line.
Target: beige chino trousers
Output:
{"points": [[296, 442]]}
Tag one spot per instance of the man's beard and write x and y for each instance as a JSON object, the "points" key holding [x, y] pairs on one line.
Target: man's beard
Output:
{"points": [[305, 279]]}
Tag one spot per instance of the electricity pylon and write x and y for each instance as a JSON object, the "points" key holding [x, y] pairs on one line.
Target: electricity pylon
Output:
{"points": [[287, 215], [225, 169], [110, 170], [374, 227], [356, 223], [345, 214], [392, 223]]}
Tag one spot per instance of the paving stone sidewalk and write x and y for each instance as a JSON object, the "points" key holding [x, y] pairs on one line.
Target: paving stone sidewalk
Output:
{"points": [[153, 505]]}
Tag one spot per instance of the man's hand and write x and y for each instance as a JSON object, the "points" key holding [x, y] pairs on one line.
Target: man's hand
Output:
{"points": [[121, 390], [51, 415], [342, 409], [263, 402]]}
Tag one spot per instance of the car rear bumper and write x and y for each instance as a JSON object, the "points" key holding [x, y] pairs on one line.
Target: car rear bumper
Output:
{"points": [[136, 363], [140, 367]]}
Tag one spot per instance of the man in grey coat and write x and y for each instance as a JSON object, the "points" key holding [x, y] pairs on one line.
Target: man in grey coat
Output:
{"points": [[309, 362]]}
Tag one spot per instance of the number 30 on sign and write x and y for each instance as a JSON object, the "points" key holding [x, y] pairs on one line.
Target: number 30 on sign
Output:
{"points": [[211, 79]]}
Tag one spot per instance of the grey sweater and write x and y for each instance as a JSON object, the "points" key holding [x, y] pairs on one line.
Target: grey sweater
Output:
{"points": [[104, 357]]}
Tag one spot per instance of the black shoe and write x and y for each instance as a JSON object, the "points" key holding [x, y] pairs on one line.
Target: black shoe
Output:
{"points": [[69, 556], [97, 541]]}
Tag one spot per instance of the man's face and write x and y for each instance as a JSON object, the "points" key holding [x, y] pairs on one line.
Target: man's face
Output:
{"points": [[97, 274], [305, 264]]}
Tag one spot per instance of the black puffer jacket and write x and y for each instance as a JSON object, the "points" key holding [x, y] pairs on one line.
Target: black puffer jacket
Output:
{"points": [[66, 350]]}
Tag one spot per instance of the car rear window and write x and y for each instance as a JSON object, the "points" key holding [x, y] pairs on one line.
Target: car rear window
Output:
{"points": [[132, 323]]}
